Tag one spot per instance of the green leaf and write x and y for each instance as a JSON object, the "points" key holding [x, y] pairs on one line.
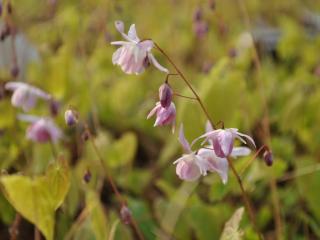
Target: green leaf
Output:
{"points": [[231, 229], [37, 198], [122, 152]]}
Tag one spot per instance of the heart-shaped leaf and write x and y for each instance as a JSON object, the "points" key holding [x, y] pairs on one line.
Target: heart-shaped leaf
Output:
{"points": [[37, 198]]}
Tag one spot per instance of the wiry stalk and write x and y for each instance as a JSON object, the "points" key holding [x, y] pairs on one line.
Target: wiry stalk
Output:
{"points": [[244, 195], [114, 188]]}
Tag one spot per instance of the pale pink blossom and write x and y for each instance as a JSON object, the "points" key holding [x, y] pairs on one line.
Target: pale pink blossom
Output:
{"points": [[190, 166], [218, 164], [222, 140], [134, 55], [42, 129], [165, 116], [25, 95]]}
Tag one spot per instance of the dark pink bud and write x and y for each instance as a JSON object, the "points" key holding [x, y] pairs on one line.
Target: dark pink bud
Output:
{"points": [[268, 157], [54, 107], [201, 28], [125, 215], [87, 176], [165, 95], [85, 136], [14, 71], [212, 4], [232, 53], [197, 15], [71, 117]]}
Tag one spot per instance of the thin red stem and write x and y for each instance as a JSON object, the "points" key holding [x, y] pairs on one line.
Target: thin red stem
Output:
{"points": [[121, 199], [187, 83], [244, 195]]}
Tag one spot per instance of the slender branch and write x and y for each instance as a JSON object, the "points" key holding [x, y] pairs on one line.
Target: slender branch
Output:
{"points": [[244, 195], [182, 96], [121, 199], [252, 159], [188, 84], [245, 198], [13, 230]]}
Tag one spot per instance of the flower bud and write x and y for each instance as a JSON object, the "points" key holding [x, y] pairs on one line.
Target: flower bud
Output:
{"points": [[125, 214], [197, 15], [14, 71], [85, 136], [268, 157], [54, 107], [165, 95], [71, 117], [87, 176]]}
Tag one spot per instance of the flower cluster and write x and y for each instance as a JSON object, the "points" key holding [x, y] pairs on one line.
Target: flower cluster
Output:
{"points": [[25, 96], [193, 164], [133, 56]]}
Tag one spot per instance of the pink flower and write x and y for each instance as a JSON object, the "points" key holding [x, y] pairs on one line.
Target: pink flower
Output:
{"points": [[190, 166], [218, 164], [134, 55], [222, 140], [165, 116], [42, 129], [25, 95]]}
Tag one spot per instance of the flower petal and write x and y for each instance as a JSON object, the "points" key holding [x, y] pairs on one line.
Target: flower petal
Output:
{"points": [[156, 63], [247, 137], [240, 151], [132, 33], [184, 142], [154, 110]]}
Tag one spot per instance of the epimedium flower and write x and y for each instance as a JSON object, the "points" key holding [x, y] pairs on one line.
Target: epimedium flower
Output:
{"points": [[25, 95], [222, 140], [42, 129], [71, 117], [191, 165], [134, 55], [165, 115]]}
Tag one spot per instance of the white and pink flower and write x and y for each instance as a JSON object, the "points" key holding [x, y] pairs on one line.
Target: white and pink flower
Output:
{"points": [[134, 55], [165, 115], [25, 95], [42, 129]]}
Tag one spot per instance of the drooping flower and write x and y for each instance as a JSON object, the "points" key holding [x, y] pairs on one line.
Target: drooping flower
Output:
{"points": [[190, 166], [222, 140], [193, 164], [165, 115], [25, 95], [134, 55], [42, 129], [218, 164], [165, 95]]}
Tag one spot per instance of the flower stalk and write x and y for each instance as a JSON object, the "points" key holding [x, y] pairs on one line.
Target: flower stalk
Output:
{"points": [[204, 109]]}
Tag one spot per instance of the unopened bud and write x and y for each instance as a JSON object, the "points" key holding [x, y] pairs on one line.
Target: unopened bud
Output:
{"points": [[85, 136], [197, 15], [212, 4], [165, 95], [54, 107], [87, 176], [5, 32], [14, 71], [71, 117], [268, 157], [125, 215]]}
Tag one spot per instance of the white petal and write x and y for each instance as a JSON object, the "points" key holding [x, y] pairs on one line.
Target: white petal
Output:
{"points": [[185, 144], [247, 137], [240, 151], [132, 33], [119, 26], [156, 63]]}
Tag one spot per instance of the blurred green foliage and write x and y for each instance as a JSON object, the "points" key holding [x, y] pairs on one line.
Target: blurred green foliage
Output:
{"points": [[69, 55]]}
